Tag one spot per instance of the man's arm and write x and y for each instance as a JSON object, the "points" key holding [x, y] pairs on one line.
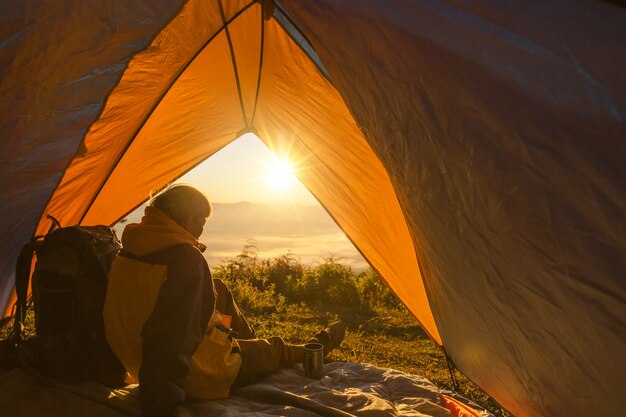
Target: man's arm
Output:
{"points": [[173, 331]]}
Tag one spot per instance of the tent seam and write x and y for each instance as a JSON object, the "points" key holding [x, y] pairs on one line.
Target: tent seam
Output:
{"points": [[234, 61], [258, 83], [321, 71]]}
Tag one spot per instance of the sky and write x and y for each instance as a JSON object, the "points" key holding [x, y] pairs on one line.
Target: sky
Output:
{"points": [[239, 172], [255, 199]]}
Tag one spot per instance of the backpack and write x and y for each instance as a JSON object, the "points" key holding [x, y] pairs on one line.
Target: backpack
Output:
{"points": [[68, 290]]}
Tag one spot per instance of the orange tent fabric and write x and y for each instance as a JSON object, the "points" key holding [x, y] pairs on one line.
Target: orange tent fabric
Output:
{"points": [[473, 155]]}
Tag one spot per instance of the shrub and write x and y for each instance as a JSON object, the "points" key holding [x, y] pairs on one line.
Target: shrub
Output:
{"points": [[247, 279], [330, 282], [256, 301], [285, 273], [266, 285], [374, 292]]}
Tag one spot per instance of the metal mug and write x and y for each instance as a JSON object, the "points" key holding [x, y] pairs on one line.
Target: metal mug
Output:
{"points": [[313, 360]]}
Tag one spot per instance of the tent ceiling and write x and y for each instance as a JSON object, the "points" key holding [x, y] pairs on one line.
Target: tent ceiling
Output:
{"points": [[487, 189]]}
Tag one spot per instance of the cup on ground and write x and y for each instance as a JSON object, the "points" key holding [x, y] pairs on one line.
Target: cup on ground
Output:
{"points": [[313, 360]]}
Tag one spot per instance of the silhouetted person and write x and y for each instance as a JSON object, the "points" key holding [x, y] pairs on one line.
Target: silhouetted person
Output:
{"points": [[177, 331]]}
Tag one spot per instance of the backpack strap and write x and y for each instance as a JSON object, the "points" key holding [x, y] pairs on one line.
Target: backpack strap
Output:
{"points": [[162, 257], [55, 223], [22, 277]]}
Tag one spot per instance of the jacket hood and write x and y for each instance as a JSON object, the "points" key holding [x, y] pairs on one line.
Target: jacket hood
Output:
{"points": [[156, 232]]}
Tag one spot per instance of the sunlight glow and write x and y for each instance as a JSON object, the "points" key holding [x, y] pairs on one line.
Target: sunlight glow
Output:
{"points": [[280, 175], [241, 172]]}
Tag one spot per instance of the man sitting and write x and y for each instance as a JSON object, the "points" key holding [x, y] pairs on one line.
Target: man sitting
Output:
{"points": [[177, 331]]}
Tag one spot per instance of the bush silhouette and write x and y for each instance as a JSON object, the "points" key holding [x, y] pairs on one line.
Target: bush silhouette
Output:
{"points": [[266, 285]]}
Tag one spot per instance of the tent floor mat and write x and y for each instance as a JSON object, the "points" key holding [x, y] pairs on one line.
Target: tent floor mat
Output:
{"points": [[345, 389]]}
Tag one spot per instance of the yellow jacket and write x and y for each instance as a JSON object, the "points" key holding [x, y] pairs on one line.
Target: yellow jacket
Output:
{"points": [[159, 316]]}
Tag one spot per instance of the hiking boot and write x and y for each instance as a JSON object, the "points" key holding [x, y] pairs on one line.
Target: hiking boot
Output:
{"points": [[331, 337]]}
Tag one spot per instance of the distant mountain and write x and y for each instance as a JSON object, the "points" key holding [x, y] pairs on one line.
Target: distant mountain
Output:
{"points": [[308, 232], [249, 219]]}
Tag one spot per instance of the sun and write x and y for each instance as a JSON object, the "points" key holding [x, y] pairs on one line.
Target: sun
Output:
{"points": [[280, 175]]}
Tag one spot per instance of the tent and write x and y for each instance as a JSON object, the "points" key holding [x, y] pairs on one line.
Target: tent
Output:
{"points": [[473, 152]]}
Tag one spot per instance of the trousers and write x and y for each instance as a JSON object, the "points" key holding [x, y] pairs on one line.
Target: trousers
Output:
{"points": [[259, 357]]}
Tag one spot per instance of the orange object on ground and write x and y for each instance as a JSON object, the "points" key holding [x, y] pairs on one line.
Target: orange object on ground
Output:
{"points": [[457, 408]]}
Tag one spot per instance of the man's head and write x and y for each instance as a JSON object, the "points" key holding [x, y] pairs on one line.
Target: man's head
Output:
{"points": [[186, 206]]}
